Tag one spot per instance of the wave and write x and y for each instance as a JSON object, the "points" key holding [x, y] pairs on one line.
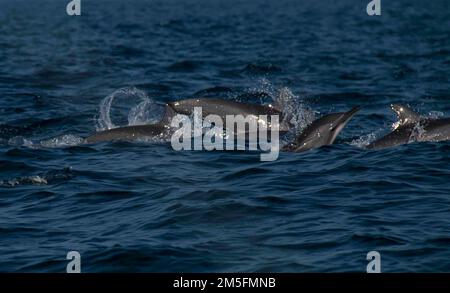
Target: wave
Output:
{"points": [[185, 66], [261, 68], [49, 177]]}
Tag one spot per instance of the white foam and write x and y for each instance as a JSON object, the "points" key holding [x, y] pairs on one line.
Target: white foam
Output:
{"points": [[364, 140], [19, 141], [62, 141]]}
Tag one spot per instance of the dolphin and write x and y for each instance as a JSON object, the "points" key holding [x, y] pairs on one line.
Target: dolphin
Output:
{"points": [[161, 129], [186, 107], [223, 108], [322, 131], [130, 133], [412, 127]]}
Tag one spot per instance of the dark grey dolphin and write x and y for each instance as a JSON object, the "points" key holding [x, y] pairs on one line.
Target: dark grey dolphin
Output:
{"points": [[159, 130], [322, 131], [413, 128], [223, 108], [130, 133]]}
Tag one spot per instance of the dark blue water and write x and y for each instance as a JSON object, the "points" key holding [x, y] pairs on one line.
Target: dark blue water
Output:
{"points": [[144, 207]]}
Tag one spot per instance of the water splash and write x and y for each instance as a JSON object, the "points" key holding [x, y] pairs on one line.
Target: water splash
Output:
{"points": [[142, 113], [62, 141], [66, 140], [435, 114], [264, 85], [29, 180], [364, 140], [49, 177], [417, 133], [20, 141], [298, 114], [104, 121]]}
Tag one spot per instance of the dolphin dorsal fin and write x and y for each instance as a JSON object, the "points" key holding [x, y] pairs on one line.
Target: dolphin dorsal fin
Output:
{"points": [[405, 114], [168, 115]]}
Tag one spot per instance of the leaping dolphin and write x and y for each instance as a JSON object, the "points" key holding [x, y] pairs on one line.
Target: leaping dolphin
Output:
{"points": [[412, 127], [223, 108], [322, 131]]}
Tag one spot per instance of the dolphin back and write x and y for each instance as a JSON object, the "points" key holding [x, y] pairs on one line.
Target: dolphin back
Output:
{"points": [[222, 107]]}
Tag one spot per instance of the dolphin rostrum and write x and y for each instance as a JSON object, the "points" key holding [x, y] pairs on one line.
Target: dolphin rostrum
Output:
{"points": [[411, 127], [322, 131]]}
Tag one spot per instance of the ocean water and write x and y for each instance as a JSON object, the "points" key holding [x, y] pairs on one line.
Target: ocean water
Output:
{"points": [[143, 207]]}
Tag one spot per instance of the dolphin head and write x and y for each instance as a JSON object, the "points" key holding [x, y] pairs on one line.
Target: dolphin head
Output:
{"points": [[405, 114], [323, 131], [403, 128]]}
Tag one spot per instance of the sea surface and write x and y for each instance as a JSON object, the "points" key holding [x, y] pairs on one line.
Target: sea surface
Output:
{"points": [[143, 207]]}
